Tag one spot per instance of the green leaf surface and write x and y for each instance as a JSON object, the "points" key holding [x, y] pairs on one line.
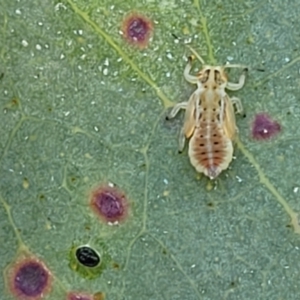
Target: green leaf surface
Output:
{"points": [[81, 107]]}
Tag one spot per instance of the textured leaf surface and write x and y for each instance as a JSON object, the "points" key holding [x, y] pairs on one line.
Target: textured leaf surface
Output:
{"points": [[79, 107]]}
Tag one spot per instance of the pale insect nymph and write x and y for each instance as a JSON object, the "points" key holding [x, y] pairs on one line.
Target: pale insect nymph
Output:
{"points": [[209, 120]]}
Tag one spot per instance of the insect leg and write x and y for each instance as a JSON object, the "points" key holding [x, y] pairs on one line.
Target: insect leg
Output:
{"points": [[190, 78], [181, 139], [236, 86], [191, 116], [238, 104], [176, 109], [227, 112]]}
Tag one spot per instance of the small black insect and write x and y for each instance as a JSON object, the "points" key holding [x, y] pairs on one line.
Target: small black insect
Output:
{"points": [[87, 256]]}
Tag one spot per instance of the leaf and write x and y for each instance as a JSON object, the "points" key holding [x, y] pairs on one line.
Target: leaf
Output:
{"points": [[81, 107]]}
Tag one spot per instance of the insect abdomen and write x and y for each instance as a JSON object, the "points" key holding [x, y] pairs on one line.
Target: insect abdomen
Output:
{"points": [[210, 150]]}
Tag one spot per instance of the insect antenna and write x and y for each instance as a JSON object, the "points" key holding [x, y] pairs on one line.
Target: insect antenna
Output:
{"points": [[196, 54], [227, 66]]}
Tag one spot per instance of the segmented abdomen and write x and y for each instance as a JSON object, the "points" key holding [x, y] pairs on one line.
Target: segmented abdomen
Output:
{"points": [[210, 150]]}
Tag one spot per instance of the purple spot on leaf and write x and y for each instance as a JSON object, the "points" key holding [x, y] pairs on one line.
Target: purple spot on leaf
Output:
{"points": [[137, 29], [31, 279], [264, 127], [79, 296], [28, 278], [109, 203]]}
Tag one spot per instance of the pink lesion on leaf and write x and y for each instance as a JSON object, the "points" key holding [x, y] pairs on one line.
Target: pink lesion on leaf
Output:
{"points": [[79, 296], [29, 278], [137, 29], [264, 128], [109, 203]]}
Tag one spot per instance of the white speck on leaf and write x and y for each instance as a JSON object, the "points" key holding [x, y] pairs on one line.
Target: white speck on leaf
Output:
{"points": [[18, 12], [38, 47], [105, 71], [296, 189], [169, 56], [239, 179], [96, 128], [106, 62], [59, 5], [113, 223], [24, 43], [187, 41]]}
